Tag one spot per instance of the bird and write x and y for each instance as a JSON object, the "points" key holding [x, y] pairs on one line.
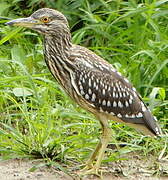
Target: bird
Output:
{"points": [[92, 82]]}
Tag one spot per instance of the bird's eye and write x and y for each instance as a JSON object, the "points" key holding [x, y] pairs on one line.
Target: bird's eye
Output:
{"points": [[45, 19]]}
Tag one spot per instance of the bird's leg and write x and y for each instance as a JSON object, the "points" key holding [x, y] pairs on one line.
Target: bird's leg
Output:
{"points": [[99, 151], [104, 140], [89, 163]]}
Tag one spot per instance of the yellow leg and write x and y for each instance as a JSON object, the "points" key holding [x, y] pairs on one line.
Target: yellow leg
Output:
{"points": [[105, 140], [89, 163], [99, 151]]}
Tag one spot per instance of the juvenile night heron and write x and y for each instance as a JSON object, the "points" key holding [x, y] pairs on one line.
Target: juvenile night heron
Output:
{"points": [[89, 80]]}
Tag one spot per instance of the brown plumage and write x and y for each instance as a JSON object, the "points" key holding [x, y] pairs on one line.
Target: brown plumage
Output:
{"points": [[89, 80]]}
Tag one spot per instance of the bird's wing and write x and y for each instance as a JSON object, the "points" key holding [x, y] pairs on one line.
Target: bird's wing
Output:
{"points": [[109, 92]]}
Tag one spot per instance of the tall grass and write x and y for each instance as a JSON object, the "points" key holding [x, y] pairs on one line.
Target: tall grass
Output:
{"points": [[38, 119]]}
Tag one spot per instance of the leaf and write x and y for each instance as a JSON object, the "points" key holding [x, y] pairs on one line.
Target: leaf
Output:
{"points": [[154, 93], [162, 93], [35, 167], [157, 72], [22, 92], [17, 53], [161, 2], [10, 35], [153, 96]]}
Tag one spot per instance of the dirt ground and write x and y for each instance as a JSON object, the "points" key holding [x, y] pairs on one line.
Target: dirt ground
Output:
{"points": [[132, 169]]}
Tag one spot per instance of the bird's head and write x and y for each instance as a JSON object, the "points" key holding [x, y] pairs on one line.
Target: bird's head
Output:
{"points": [[45, 21]]}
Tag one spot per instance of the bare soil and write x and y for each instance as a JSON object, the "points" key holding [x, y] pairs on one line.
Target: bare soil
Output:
{"points": [[132, 169]]}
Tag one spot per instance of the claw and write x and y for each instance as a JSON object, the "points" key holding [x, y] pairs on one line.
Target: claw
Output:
{"points": [[90, 171], [87, 167]]}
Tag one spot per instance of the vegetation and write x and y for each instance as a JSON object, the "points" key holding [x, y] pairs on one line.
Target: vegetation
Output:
{"points": [[38, 120]]}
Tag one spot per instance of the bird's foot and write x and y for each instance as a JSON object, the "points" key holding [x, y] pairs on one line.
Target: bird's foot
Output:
{"points": [[90, 170], [87, 166]]}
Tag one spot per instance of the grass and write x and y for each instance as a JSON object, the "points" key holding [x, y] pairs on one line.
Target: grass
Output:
{"points": [[38, 120]]}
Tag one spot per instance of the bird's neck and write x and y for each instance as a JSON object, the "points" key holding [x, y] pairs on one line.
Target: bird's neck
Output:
{"points": [[57, 51], [59, 44]]}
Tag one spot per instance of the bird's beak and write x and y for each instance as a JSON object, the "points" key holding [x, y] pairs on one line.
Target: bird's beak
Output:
{"points": [[28, 22]]}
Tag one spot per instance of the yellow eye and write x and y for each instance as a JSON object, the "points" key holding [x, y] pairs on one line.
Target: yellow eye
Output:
{"points": [[45, 19]]}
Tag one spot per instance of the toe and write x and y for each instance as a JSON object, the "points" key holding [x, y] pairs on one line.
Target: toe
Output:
{"points": [[90, 171]]}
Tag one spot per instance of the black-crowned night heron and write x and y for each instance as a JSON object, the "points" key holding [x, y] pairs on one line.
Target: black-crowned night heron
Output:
{"points": [[89, 80]]}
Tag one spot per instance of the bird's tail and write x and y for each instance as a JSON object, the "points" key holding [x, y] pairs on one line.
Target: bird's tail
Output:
{"points": [[151, 123]]}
